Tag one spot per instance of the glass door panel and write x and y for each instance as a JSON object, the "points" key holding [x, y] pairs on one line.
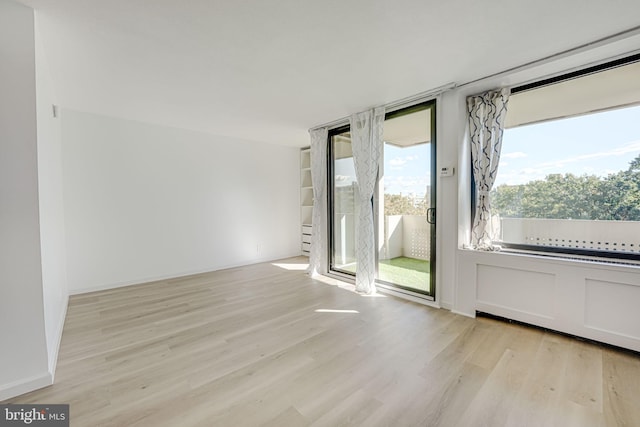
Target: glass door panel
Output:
{"points": [[342, 181], [406, 196]]}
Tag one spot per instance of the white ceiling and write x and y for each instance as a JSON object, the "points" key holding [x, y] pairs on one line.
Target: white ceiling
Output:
{"points": [[269, 70]]}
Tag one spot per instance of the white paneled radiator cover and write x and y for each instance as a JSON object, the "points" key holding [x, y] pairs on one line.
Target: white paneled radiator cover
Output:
{"points": [[587, 299]]}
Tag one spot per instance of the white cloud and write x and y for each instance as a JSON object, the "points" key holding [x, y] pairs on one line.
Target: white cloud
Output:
{"points": [[540, 170], [620, 151], [406, 184], [401, 161], [520, 176], [529, 171], [515, 155]]}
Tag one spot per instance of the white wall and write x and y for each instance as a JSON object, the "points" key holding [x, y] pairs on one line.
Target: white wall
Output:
{"points": [[144, 202], [23, 353], [450, 127], [52, 229]]}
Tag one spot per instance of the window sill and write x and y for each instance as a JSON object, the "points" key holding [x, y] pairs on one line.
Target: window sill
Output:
{"points": [[560, 259], [605, 257]]}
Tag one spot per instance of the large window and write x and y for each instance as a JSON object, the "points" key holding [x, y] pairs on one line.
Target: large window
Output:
{"points": [[569, 173]]}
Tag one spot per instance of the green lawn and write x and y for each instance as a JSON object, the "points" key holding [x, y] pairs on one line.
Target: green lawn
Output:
{"points": [[408, 272]]}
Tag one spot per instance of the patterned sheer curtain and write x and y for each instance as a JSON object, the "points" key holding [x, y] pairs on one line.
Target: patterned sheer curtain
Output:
{"points": [[487, 112], [366, 143], [318, 255]]}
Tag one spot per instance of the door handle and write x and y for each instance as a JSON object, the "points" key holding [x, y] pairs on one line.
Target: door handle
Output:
{"points": [[431, 215]]}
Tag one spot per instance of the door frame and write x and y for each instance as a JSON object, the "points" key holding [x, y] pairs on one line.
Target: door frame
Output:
{"points": [[331, 202], [397, 111], [429, 104]]}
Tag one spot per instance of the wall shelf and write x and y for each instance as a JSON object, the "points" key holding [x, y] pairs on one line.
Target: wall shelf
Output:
{"points": [[306, 201]]}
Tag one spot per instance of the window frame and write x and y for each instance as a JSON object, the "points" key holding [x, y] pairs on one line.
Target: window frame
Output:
{"points": [[430, 104], [330, 200], [555, 251]]}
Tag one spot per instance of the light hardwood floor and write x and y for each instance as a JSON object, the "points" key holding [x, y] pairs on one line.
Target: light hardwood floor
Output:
{"points": [[260, 345]]}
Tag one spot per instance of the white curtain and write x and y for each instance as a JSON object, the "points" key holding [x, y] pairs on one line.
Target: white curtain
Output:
{"points": [[487, 112], [366, 142], [318, 255]]}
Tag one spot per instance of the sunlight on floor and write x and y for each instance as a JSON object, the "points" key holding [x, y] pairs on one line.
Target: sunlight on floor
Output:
{"points": [[411, 273], [293, 267], [343, 285], [328, 310], [302, 266]]}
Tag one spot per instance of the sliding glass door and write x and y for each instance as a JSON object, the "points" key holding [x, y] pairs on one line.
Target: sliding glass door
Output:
{"points": [[342, 182], [404, 203]]}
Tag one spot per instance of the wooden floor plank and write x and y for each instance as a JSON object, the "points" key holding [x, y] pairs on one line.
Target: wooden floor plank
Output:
{"points": [[265, 345]]}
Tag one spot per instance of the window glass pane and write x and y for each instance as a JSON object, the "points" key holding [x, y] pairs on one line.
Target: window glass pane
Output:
{"points": [[343, 251], [404, 234], [571, 183]]}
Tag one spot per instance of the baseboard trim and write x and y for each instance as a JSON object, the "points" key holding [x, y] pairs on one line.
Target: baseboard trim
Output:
{"points": [[406, 296], [635, 352], [53, 356], [16, 388], [462, 313], [446, 305], [140, 281]]}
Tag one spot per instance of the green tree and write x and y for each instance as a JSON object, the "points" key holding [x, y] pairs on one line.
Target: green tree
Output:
{"points": [[397, 204], [620, 193], [558, 196]]}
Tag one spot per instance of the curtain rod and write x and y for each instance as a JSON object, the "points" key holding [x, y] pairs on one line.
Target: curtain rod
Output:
{"points": [[631, 32], [394, 104]]}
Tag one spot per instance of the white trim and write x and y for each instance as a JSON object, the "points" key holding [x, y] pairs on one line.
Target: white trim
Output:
{"points": [[386, 289], [419, 98], [423, 96], [573, 69], [622, 35], [16, 388], [462, 313], [562, 259], [445, 305], [407, 296], [438, 283], [343, 277], [144, 280], [53, 356], [333, 124], [508, 312]]}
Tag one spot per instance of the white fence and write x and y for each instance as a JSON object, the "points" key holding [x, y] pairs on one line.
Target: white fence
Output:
{"points": [[622, 236], [406, 235]]}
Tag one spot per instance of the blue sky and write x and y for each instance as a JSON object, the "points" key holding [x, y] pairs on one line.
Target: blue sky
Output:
{"points": [[406, 170], [594, 144]]}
